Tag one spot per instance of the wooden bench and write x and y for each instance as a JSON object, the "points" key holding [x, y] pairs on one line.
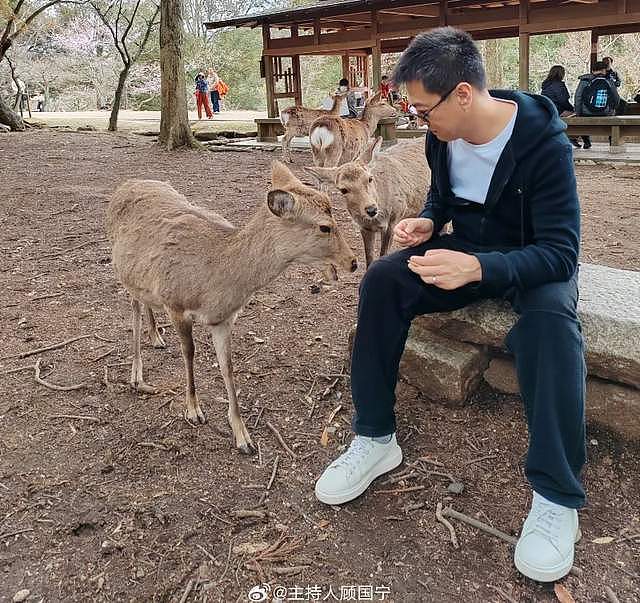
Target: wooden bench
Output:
{"points": [[268, 128], [618, 127]]}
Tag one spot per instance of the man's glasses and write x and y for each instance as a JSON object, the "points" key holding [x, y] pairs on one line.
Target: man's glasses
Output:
{"points": [[424, 115]]}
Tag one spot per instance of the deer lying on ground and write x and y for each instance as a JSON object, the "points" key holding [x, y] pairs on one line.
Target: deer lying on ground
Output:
{"points": [[196, 265], [298, 119], [335, 141], [381, 188]]}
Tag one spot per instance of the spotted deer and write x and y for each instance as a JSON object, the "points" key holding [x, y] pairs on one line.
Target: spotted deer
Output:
{"points": [[381, 188], [197, 266], [298, 119], [335, 141]]}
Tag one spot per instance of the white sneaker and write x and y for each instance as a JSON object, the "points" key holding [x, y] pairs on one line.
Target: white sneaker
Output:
{"points": [[352, 473], [545, 549]]}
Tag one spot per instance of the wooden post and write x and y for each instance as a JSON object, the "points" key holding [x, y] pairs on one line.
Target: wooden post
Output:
{"points": [[376, 52], [594, 48], [442, 12], [345, 65], [272, 107], [523, 44], [297, 82]]}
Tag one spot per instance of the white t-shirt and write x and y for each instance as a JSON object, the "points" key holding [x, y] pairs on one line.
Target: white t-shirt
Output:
{"points": [[471, 166]]}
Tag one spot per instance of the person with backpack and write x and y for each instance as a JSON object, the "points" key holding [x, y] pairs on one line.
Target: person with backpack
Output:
{"points": [[596, 96], [202, 95], [554, 88]]}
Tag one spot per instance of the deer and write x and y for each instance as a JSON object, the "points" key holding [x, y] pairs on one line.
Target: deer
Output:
{"points": [[335, 141], [381, 188], [196, 265], [298, 119]]}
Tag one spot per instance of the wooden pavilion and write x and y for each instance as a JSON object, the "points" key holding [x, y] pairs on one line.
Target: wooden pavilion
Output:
{"points": [[357, 29]]}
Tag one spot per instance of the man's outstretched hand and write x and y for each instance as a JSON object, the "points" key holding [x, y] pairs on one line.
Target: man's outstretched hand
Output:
{"points": [[413, 231], [445, 268]]}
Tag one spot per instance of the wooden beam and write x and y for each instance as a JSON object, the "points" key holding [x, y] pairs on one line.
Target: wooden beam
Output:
{"points": [[443, 13], [594, 48], [272, 105], [523, 45], [376, 50], [295, 65], [602, 22], [345, 65]]}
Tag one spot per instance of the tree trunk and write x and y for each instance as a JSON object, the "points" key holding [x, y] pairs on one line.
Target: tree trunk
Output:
{"points": [[9, 117], [493, 63], [175, 130], [113, 118]]}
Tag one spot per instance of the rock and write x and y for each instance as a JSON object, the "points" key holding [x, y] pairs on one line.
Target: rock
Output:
{"points": [[612, 405], [4, 129], [21, 595], [455, 488], [315, 289], [609, 311], [501, 375], [86, 128], [444, 370], [250, 548]]}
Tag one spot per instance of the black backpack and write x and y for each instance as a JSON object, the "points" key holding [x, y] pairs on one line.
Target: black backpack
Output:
{"points": [[599, 98]]}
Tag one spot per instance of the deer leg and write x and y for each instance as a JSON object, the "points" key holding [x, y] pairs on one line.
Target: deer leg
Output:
{"points": [[221, 335], [184, 327], [385, 239], [286, 151], [368, 238], [137, 382], [154, 334]]}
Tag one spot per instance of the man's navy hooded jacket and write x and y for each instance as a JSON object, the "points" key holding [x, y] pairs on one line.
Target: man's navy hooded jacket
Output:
{"points": [[527, 233]]}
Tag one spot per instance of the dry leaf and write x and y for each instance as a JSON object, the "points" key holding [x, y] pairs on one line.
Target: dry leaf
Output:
{"points": [[324, 438], [603, 540], [323, 523], [563, 595]]}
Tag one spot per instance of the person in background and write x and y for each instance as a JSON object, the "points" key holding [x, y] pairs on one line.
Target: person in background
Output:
{"points": [[554, 88], [202, 95], [384, 87], [611, 74], [348, 108], [596, 96], [212, 81]]}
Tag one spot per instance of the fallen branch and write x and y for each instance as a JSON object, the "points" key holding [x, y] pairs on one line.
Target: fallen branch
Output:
{"points": [[187, 591], [47, 296], [273, 473], [449, 512], [289, 571], [613, 598], [400, 490], [111, 351], [247, 514], [290, 452], [55, 346], [64, 251], [207, 553], [53, 386], [443, 521], [19, 369], [486, 457], [16, 533], [76, 417]]}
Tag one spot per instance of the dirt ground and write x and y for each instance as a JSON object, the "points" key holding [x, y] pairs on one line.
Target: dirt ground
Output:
{"points": [[128, 502]]}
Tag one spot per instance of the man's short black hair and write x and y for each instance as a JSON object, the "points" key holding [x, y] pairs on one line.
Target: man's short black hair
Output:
{"points": [[440, 59], [343, 82], [599, 66]]}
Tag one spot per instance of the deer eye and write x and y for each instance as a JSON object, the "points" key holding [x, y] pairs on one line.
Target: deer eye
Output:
{"points": [[325, 229], [344, 191]]}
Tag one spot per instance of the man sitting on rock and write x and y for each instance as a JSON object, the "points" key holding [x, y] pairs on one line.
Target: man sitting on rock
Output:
{"points": [[502, 170]]}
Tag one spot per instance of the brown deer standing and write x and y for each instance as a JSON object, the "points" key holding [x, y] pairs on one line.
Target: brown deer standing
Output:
{"points": [[335, 140], [298, 119], [196, 265], [381, 188]]}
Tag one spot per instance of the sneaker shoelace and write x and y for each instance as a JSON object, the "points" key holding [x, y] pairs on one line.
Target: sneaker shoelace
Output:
{"points": [[356, 453], [547, 520]]}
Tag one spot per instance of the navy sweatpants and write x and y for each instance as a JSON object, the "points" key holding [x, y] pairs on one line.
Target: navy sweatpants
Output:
{"points": [[546, 342]]}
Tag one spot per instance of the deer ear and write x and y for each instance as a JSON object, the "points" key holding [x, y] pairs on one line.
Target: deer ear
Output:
{"points": [[373, 148], [281, 203], [322, 174], [282, 176]]}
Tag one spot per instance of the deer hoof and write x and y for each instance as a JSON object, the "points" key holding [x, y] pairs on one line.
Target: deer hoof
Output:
{"points": [[143, 388], [247, 448], [158, 343], [195, 416]]}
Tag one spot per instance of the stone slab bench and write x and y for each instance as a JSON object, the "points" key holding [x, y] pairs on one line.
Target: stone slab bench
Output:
{"points": [[268, 129], [448, 355], [618, 127]]}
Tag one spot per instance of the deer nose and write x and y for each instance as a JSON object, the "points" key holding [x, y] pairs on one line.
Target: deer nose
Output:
{"points": [[371, 210], [354, 265]]}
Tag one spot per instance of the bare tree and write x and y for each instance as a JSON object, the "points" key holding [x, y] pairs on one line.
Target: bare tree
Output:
{"points": [[124, 19], [175, 130]]}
